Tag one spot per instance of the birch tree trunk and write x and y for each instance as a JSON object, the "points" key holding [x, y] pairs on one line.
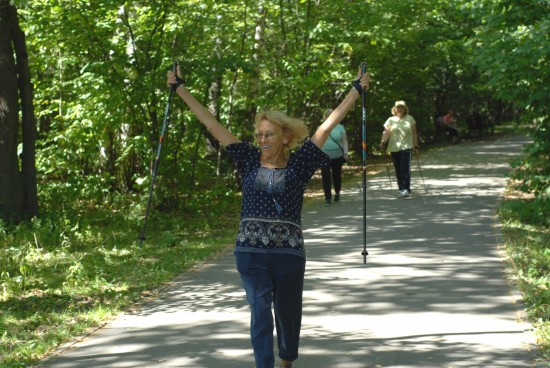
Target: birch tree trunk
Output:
{"points": [[254, 82]]}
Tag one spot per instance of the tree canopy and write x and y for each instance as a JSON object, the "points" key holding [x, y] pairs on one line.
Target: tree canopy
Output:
{"points": [[99, 67]]}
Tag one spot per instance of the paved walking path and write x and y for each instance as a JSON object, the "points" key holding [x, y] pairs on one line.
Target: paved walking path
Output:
{"points": [[433, 292]]}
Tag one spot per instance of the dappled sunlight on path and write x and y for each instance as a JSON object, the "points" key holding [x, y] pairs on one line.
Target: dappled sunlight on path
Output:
{"points": [[432, 294]]}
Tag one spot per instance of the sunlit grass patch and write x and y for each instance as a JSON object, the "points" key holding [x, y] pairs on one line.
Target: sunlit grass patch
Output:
{"points": [[526, 228], [62, 277]]}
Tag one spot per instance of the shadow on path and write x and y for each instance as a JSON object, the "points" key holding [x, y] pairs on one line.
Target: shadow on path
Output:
{"points": [[433, 292]]}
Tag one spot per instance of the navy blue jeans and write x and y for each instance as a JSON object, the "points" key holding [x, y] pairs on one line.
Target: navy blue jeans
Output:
{"points": [[402, 164], [273, 279]]}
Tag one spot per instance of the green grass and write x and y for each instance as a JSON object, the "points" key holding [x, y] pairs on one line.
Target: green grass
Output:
{"points": [[526, 229], [62, 277]]}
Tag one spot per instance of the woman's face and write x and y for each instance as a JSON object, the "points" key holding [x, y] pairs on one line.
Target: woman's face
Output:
{"points": [[400, 111], [270, 138]]}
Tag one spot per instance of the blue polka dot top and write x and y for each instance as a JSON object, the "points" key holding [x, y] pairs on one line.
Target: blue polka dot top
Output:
{"points": [[272, 198]]}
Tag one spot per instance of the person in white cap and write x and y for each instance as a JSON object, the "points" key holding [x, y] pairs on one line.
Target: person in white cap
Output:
{"points": [[402, 140]]}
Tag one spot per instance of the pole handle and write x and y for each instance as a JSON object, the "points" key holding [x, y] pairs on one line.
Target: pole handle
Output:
{"points": [[173, 87], [363, 68]]}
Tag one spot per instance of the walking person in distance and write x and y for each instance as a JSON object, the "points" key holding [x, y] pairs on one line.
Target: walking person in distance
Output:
{"points": [[336, 147], [448, 124], [401, 138], [269, 248]]}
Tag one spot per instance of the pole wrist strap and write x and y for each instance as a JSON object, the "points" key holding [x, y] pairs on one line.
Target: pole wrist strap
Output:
{"points": [[357, 84], [179, 82]]}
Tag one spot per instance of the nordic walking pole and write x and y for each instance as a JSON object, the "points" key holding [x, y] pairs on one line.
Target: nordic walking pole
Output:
{"points": [[422, 176], [387, 166], [364, 253], [156, 162]]}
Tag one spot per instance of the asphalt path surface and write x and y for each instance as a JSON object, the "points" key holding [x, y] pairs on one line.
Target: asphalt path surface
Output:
{"points": [[434, 291]]}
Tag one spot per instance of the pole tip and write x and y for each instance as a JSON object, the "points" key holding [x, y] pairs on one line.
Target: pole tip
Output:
{"points": [[364, 253]]}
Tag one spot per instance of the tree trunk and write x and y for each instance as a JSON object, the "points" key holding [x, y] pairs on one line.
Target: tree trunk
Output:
{"points": [[214, 94], [18, 193], [254, 81]]}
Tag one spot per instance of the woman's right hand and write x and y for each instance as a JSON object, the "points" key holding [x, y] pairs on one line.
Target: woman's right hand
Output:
{"points": [[172, 80]]}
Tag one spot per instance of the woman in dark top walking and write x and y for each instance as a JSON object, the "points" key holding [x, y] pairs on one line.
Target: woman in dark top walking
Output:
{"points": [[336, 147], [269, 249]]}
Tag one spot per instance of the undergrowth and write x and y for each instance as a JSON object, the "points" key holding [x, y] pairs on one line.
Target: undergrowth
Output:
{"points": [[526, 229]]}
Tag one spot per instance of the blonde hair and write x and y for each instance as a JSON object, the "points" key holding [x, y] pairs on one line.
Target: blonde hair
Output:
{"points": [[295, 129]]}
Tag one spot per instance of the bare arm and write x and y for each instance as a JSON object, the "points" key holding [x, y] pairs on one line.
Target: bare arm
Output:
{"points": [[385, 136], [321, 134], [221, 133]]}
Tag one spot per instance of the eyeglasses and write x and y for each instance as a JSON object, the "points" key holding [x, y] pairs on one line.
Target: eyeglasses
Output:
{"points": [[268, 136]]}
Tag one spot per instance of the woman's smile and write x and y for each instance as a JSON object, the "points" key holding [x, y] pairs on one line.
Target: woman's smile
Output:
{"points": [[271, 140]]}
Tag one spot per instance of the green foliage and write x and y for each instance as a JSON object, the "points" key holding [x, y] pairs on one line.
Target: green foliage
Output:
{"points": [[526, 229], [533, 172], [101, 97], [511, 46]]}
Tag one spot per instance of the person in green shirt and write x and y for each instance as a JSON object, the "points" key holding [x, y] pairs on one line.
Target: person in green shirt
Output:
{"points": [[336, 147], [402, 140]]}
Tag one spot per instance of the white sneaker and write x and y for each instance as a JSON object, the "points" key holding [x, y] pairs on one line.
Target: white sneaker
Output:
{"points": [[405, 193]]}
